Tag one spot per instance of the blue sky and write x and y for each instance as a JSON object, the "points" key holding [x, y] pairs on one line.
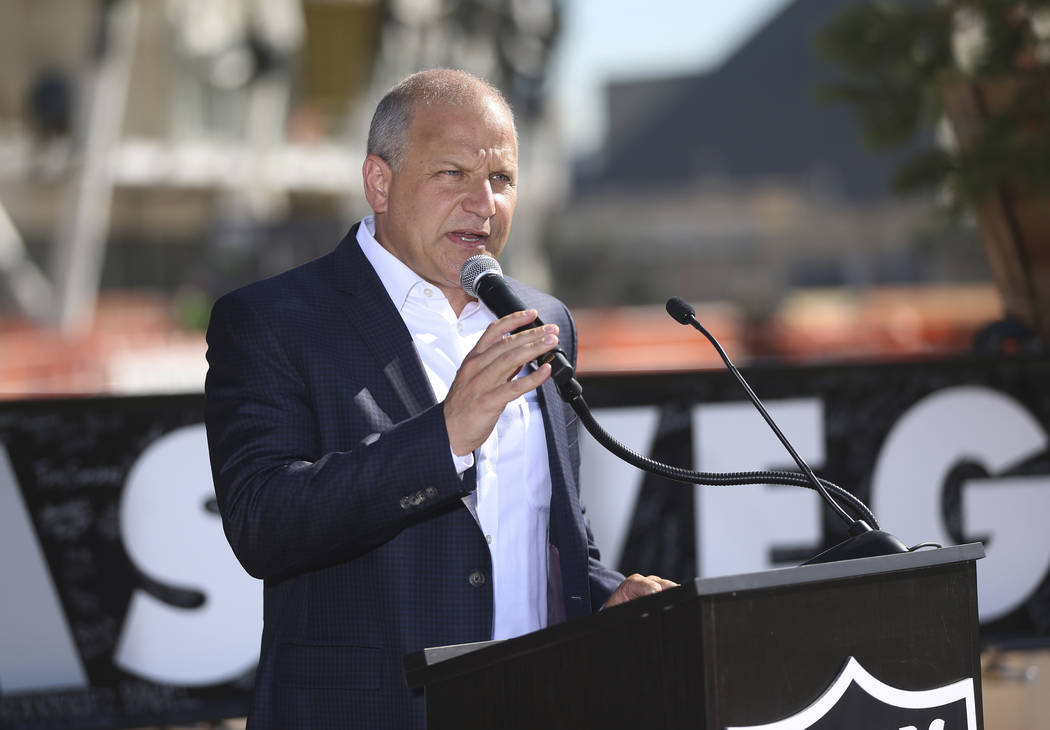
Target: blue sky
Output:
{"points": [[615, 39]]}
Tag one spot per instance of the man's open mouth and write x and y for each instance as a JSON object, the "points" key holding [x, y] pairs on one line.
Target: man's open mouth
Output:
{"points": [[468, 237]]}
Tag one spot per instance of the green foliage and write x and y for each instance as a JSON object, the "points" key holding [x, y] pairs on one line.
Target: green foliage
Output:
{"points": [[896, 60], [192, 309]]}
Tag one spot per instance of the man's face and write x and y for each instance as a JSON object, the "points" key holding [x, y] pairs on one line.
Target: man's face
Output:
{"points": [[455, 193]]}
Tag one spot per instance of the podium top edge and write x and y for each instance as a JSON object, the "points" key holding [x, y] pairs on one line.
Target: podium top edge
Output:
{"points": [[442, 662], [778, 577]]}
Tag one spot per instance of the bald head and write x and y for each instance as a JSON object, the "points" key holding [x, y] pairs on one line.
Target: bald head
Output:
{"points": [[434, 87]]}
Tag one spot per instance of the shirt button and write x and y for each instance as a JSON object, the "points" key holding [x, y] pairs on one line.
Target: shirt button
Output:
{"points": [[477, 579], [428, 292], [459, 326]]}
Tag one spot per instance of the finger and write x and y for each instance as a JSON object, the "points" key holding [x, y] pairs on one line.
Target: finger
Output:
{"points": [[645, 587], [634, 586], [637, 585], [662, 581], [503, 360], [491, 395], [505, 325], [528, 346], [505, 392], [531, 381], [487, 378], [497, 337], [510, 334]]}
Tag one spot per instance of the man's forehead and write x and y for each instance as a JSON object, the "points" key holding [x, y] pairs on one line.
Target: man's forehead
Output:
{"points": [[503, 154], [485, 132]]}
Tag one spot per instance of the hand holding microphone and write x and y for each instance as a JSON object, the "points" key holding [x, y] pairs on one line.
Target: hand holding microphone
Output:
{"points": [[486, 382], [482, 277]]}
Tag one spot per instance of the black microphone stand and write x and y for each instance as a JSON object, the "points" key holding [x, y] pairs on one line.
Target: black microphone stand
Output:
{"points": [[864, 540]]}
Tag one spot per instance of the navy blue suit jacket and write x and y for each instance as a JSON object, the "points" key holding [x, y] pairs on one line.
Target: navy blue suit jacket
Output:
{"points": [[336, 486]]}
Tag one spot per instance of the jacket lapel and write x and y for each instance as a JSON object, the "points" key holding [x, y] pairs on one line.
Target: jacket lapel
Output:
{"points": [[553, 408], [567, 530], [367, 304]]}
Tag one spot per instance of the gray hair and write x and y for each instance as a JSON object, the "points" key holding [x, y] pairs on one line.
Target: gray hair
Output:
{"points": [[433, 87]]}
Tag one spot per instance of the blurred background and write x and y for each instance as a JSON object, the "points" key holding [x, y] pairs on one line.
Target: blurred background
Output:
{"points": [[154, 155]]}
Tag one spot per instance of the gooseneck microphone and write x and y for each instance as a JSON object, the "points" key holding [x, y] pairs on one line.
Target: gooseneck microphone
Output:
{"points": [[482, 277], [683, 313], [863, 541]]}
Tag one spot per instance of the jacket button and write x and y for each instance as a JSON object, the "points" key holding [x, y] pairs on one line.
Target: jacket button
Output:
{"points": [[477, 579], [431, 492], [406, 502]]}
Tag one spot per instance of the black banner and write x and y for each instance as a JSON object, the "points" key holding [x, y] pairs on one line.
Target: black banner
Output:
{"points": [[70, 651], [123, 606]]}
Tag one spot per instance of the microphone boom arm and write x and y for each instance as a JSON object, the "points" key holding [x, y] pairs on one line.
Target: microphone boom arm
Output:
{"points": [[716, 479]]}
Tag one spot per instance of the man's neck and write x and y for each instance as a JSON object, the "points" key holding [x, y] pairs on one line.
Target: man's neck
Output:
{"points": [[457, 299]]}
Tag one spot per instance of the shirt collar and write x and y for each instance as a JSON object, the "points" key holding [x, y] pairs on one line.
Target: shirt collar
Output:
{"points": [[397, 278]]}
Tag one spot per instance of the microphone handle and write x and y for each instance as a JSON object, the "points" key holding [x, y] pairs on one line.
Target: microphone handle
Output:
{"points": [[500, 298]]}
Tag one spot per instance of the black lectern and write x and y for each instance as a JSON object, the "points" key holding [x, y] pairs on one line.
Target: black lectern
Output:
{"points": [[859, 643]]}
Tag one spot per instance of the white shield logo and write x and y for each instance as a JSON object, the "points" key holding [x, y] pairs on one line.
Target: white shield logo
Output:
{"points": [[858, 700]]}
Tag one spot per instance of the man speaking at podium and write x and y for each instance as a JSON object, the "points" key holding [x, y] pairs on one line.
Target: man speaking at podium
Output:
{"points": [[383, 458]]}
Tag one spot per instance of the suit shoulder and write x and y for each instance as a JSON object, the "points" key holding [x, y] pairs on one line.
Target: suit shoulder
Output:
{"points": [[296, 283], [303, 283], [535, 298]]}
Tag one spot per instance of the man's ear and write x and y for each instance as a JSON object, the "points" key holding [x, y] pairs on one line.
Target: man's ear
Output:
{"points": [[377, 176]]}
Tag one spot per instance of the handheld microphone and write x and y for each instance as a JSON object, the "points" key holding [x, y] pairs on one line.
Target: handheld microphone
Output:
{"points": [[482, 277], [863, 540]]}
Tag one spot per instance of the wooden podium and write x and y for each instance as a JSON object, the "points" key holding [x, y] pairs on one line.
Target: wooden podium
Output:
{"points": [[735, 651]]}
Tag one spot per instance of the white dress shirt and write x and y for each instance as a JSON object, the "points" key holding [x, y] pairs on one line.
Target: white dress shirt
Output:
{"points": [[512, 499]]}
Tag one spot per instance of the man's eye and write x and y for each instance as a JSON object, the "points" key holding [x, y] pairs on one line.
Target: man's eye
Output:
{"points": [[502, 178], [451, 173]]}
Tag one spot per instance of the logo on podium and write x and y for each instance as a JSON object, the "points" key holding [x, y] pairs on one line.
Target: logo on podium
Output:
{"points": [[858, 700]]}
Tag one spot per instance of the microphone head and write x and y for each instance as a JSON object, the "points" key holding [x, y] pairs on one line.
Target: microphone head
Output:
{"points": [[680, 310], [474, 268]]}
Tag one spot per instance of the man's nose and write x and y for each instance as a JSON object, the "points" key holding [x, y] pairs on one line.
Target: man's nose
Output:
{"points": [[480, 201]]}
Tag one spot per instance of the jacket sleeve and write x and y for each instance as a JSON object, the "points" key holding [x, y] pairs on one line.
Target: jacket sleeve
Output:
{"points": [[603, 580], [286, 507]]}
